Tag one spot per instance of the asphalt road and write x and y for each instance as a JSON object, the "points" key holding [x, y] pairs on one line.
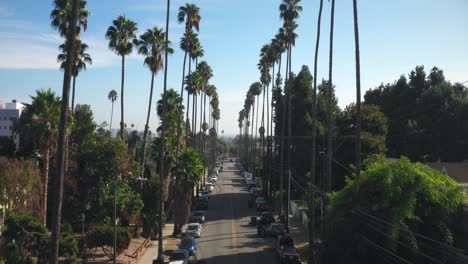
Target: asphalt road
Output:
{"points": [[226, 237]]}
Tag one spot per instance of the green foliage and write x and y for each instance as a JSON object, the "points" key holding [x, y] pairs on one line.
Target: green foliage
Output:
{"points": [[129, 203], [103, 236], [7, 146], [427, 116], [390, 205], [23, 238]]}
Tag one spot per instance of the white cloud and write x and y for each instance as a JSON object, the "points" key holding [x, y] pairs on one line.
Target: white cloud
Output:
{"points": [[5, 11]]}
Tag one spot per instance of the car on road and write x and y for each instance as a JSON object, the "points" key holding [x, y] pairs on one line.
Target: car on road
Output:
{"points": [[259, 199], [190, 244], [276, 229], [263, 206], [179, 256], [194, 230], [197, 217], [255, 190], [209, 187], [286, 250], [200, 203], [205, 194], [213, 177]]}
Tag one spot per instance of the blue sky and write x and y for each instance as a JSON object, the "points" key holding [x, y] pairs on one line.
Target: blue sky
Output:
{"points": [[396, 35]]}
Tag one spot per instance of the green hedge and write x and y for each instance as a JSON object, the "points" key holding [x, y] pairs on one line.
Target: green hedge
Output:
{"points": [[103, 236]]}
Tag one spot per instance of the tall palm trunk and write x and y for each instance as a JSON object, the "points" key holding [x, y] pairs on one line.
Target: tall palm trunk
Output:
{"points": [[283, 132], [122, 124], [358, 91], [289, 134], [179, 128], [314, 130], [262, 156], [201, 123], [62, 137], [112, 115], [194, 117], [187, 123], [255, 154], [330, 94], [252, 166], [145, 134], [163, 139], [45, 185], [73, 94]]}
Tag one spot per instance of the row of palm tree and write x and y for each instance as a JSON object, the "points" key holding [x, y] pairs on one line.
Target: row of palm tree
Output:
{"points": [[271, 55]]}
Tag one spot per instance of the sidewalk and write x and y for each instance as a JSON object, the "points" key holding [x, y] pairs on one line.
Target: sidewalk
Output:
{"points": [[300, 234], [169, 244]]}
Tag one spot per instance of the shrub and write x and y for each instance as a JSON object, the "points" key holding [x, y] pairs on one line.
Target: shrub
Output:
{"points": [[103, 236]]}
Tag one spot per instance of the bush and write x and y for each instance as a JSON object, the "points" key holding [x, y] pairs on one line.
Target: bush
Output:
{"points": [[389, 206], [23, 238], [103, 236]]}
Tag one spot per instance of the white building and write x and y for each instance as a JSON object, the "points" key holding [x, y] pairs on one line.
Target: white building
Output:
{"points": [[9, 113]]}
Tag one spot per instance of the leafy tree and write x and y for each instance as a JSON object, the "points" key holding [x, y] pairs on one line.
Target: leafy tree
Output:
{"points": [[129, 203], [395, 207], [20, 185], [426, 116], [7, 146], [373, 137], [121, 36], [103, 236]]}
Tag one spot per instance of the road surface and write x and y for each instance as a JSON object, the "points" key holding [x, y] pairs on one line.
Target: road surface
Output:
{"points": [[227, 238]]}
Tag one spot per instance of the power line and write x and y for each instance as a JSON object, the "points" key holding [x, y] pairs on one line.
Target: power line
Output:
{"points": [[416, 234], [456, 254], [385, 250]]}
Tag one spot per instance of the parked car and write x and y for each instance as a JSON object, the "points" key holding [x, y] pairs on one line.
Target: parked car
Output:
{"points": [[255, 190], [263, 206], [209, 187], [194, 230], [179, 256], [201, 203], [206, 194], [286, 250], [213, 177], [190, 244], [264, 222], [276, 229], [197, 217], [259, 199]]}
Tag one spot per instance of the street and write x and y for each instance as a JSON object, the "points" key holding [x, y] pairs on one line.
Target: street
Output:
{"points": [[227, 237]]}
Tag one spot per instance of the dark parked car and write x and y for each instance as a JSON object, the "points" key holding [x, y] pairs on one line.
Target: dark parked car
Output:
{"points": [[198, 217], [286, 250], [276, 229], [179, 256], [200, 204], [190, 244]]}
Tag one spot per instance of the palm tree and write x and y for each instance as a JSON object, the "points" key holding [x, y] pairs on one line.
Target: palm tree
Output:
{"points": [[112, 96], [206, 73], [192, 82], [190, 15], [314, 129], [68, 16], [41, 118], [62, 13], [358, 90], [330, 95], [81, 59], [289, 12], [163, 139], [151, 45], [121, 36]]}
